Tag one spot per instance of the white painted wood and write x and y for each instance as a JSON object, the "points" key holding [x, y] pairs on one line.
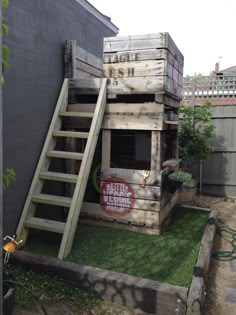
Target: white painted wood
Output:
{"points": [[60, 177], [45, 225], [65, 155], [70, 134], [78, 196], [76, 114], [52, 200]]}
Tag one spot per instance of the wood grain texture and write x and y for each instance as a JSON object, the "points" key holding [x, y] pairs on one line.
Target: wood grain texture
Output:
{"points": [[143, 85], [142, 55], [88, 58], [136, 217], [146, 41], [133, 122], [136, 69], [132, 176]]}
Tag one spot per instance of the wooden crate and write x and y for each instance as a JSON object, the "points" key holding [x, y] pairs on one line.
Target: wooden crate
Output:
{"points": [[127, 203], [143, 64]]}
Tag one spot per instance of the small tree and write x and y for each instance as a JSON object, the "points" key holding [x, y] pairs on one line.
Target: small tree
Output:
{"points": [[195, 133]]}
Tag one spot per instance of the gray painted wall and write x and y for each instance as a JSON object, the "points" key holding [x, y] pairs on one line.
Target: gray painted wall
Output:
{"points": [[37, 31]]}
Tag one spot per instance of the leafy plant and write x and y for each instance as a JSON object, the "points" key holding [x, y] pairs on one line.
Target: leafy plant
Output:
{"points": [[196, 132], [184, 177], [7, 177]]}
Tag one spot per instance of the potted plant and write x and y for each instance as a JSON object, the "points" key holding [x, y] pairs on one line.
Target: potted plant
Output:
{"points": [[187, 189]]}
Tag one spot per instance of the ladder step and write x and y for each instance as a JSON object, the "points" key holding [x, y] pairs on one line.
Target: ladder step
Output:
{"points": [[70, 134], [45, 225], [52, 200], [76, 114], [65, 155], [60, 177]]}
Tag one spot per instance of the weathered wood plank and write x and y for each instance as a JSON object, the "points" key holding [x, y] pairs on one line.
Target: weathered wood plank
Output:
{"points": [[90, 69], [142, 55], [106, 148], [134, 108], [121, 225], [88, 58], [121, 108], [166, 209], [85, 86], [150, 85], [132, 176], [146, 41], [156, 153], [196, 297], [167, 100], [135, 216], [204, 255], [70, 58], [133, 122], [136, 69]]}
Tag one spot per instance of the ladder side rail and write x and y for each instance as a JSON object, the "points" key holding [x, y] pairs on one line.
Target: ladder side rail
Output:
{"points": [[85, 167]]}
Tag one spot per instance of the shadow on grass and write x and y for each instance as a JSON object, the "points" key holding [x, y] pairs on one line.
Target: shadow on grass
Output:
{"points": [[169, 257]]}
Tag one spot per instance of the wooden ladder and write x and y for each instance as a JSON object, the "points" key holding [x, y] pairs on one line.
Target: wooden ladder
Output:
{"points": [[35, 196]]}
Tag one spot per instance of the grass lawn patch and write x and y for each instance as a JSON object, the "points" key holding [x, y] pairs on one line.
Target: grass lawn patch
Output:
{"points": [[169, 257], [49, 290]]}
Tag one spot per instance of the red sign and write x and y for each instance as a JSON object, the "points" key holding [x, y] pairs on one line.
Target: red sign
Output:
{"points": [[175, 75], [117, 197]]}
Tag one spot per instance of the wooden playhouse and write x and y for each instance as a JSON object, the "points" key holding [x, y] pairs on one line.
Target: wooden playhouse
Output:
{"points": [[118, 116], [139, 133]]}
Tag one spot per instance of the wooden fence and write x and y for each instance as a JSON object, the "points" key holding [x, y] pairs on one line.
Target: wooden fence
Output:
{"points": [[219, 171]]}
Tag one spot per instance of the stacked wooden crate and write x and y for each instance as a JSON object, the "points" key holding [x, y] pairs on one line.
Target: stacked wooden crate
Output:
{"points": [[144, 91]]}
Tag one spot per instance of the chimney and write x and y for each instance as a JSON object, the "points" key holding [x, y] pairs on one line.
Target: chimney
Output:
{"points": [[217, 67]]}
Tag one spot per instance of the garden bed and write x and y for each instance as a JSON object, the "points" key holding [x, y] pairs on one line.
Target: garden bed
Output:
{"points": [[147, 272]]}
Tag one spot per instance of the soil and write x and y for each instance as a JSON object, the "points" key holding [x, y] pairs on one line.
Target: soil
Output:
{"points": [[220, 278]]}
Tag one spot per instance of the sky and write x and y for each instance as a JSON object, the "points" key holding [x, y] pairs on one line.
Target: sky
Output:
{"points": [[203, 30]]}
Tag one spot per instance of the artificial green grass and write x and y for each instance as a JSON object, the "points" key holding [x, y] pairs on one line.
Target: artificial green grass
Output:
{"points": [[169, 257]]}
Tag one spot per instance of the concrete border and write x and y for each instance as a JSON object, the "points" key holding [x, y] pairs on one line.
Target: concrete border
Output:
{"points": [[145, 295], [197, 290]]}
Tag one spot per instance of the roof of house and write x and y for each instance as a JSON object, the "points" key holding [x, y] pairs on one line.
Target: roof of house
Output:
{"points": [[103, 18], [231, 70]]}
